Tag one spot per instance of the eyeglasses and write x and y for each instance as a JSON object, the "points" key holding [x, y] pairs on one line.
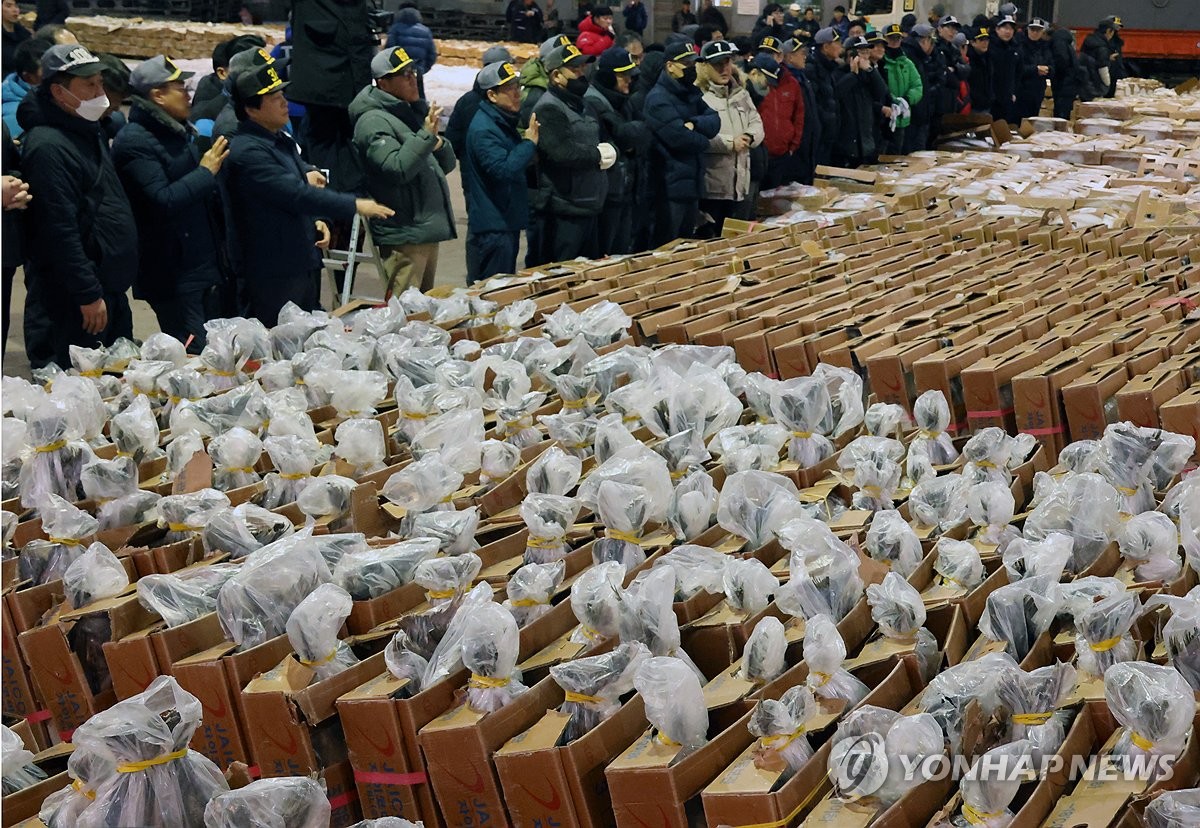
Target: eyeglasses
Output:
{"points": [[407, 73]]}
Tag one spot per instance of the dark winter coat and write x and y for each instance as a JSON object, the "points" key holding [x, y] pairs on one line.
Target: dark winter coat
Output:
{"points": [[51, 11], [175, 202], [648, 72], [460, 120], [636, 18], [332, 47], [859, 95], [923, 110], [522, 27], [11, 40], [1031, 87], [414, 37], [570, 181], [670, 105], [1006, 64], [495, 171], [11, 247], [807, 153], [954, 71], [81, 232], [629, 136], [823, 74], [980, 82], [682, 19], [713, 17]]}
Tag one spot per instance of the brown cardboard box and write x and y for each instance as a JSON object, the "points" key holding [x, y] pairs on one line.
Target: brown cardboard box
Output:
{"points": [[25, 804], [140, 657], [1181, 414], [1036, 393], [1139, 401], [16, 691], [1090, 400], [987, 385]]}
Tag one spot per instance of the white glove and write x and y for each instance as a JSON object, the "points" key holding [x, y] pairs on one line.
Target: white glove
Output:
{"points": [[608, 155]]}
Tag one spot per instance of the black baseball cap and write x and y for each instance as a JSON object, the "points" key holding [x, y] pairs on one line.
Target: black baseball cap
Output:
{"points": [[1037, 23], [155, 72], [569, 56], [680, 48], [254, 83], [616, 60], [770, 44], [875, 36], [70, 59], [716, 50], [893, 30], [982, 34]]}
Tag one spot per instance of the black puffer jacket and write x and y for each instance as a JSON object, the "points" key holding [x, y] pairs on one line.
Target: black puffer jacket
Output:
{"points": [[823, 73], [175, 202], [980, 82], [332, 47], [860, 95], [626, 178], [927, 68], [1006, 64], [669, 106], [82, 237], [953, 70], [1031, 86], [1068, 79]]}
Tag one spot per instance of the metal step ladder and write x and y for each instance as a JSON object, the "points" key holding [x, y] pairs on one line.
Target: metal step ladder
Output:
{"points": [[347, 262]]}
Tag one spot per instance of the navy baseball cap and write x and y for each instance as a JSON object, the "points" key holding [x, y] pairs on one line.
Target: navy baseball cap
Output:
{"points": [[767, 65], [616, 60]]}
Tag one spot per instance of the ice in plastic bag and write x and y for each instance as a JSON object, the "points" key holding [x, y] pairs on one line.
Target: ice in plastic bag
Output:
{"points": [[312, 630], [1103, 636], [939, 502], [360, 443], [693, 503], [254, 605], [593, 686], [1154, 704], [897, 608], [754, 505], [1150, 541], [57, 458], [647, 615], [286, 802], [764, 657], [1033, 698], [1084, 506], [991, 507], [990, 785], [185, 595], [748, 585], [327, 497], [93, 576], [373, 572], [446, 579], [1018, 613], [490, 646], [596, 598], [892, 541], [19, 770], [1174, 809], [958, 564], [548, 518], [697, 569], [674, 703], [779, 726], [89, 770], [931, 412], [497, 461], [66, 527], [824, 652], [951, 691], [553, 472], [422, 486], [159, 781], [294, 458], [823, 569], [530, 589], [803, 406], [454, 531]]}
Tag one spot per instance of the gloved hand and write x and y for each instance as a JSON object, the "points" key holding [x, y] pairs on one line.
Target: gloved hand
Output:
{"points": [[608, 155]]}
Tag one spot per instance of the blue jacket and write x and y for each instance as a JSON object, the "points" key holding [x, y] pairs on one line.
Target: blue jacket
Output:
{"points": [[175, 202], [636, 18], [494, 172], [12, 92], [272, 209], [417, 40], [669, 106]]}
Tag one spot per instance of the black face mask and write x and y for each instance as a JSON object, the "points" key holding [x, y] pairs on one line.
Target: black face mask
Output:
{"points": [[896, 52], [577, 86], [689, 76]]}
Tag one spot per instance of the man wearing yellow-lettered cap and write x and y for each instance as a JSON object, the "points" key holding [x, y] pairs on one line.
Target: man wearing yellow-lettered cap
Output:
{"points": [[276, 225]]}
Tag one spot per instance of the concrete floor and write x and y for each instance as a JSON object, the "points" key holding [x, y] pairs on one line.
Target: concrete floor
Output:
{"points": [[452, 270]]}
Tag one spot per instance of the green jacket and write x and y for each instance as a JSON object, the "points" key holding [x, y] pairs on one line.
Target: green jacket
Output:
{"points": [[402, 169], [904, 81], [534, 82]]}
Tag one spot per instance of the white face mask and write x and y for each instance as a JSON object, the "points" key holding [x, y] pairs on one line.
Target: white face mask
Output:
{"points": [[92, 109]]}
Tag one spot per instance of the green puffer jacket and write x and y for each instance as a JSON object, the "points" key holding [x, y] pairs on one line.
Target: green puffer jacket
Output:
{"points": [[402, 169], [903, 81]]}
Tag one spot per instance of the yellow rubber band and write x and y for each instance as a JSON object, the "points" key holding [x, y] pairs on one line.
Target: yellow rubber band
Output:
{"points": [[986, 464], [928, 435], [183, 527], [296, 476], [528, 602], [546, 543], [244, 469], [414, 415], [1032, 719], [623, 536], [217, 373], [978, 817], [590, 634], [677, 475], [580, 698], [1140, 741], [803, 435], [487, 682], [55, 446], [78, 786], [781, 741], [66, 541], [134, 767], [439, 594], [948, 581], [664, 739], [1105, 645], [787, 820], [332, 655], [825, 677], [1125, 490], [94, 372], [574, 405]]}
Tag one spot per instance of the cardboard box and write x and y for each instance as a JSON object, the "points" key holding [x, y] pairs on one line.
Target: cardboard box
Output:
{"points": [[25, 804], [1181, 414], [1139, 401]]}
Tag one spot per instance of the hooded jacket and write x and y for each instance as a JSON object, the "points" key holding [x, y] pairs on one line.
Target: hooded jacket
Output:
{"points": [[1067, 78], [903, 81], [83, 240], [726, 171], [403, 169], [495, 172], [782, 113], [175, 202], [414, 37], [670, 105], [12, 92], [592, 39], [534, 82]]}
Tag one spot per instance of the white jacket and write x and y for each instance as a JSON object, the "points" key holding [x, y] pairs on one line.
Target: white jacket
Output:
{"points": [[726, 173]]}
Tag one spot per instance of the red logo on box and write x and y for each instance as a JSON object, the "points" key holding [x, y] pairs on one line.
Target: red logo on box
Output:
{"points": [[553, 803]]}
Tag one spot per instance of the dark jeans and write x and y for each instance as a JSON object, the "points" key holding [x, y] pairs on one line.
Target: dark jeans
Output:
{"points": [[894, 143], [9, 273], [268, 296], [916, 135], [183, 315], [64, 328], [615, 230], [676, 220], [567, 237], [782, 169], [491, 253]]}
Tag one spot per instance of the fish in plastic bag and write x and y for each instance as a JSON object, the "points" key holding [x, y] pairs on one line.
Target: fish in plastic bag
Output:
{"points": [[897, 608], [892, 541], [1154, 705], [185, 515], [755, 505], [1125, 458], [446, 579], [361, 445], [1018, 613], [674, 703], [423, 486], [624, 510], [939, 503], [1033, 698], [823, 571], [19, 771], [89, 770], [376, 571], [328, 498], [779, 726], [1150, 541], [886, 420], [497, 461], [1024, 558], [66, 526], [135, 431], [992, 454], [824, 653], [958, 564], [531, 588], [990, 786], [490, 645], [952, 690], [1174, 809], [287, 802], [648, 616], [748, 585], [596, 598], [548, 518], [243, 529], [185, 595], [593, 686], [553, 472], [312, 630], [763, 660], [94, 576], [693, 504], [454, 531], [697, 569], [58, 455], [931, 412], [1181, 633], [1103, 634], [1084, 506], [803, 406]]}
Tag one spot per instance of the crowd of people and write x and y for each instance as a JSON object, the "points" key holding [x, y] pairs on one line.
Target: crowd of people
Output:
{"points": [[211, 205]]}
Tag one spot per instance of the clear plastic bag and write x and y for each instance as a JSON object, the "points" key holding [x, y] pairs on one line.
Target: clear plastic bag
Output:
{"points": [[1170, 458], [93, 576], [683, 451], [454, 531], [531, 588], [674, 703], [448, 652], [951, 691], [748, 585], [142, 376], [423, 486], [66, 527], [277, 376], [823, 571], [697, 569], [113, 484], [596, 599], [19, 770], [885, 735], [1181, 633], [288, 802], [360, 443], [1125, 458], [57, 458], [574, 435], [931, 412], [1049, 556], [845, 396], [89, 770], [312, 630], [750, 447], [373, 572], [1079, 456], [553, 472], [1151, 542], [918, 467], [511, 318], [84, 406], [181, 450], [1154, 704], [624, 510], [186, 595], [886, 420], [897, 608], [497, 461], [824, 652], [1084, 506], [294, 458], [1033, 699], [490, 646], [254, 605], [992, 454], [763, 660], [693, 504], [990, 786], [876, 479], [327, 497], [135, 431], [549, 518], [803, 406], [780, 725], [404, 664], [1174, 809], [593, 686], [611, 437], [1018, 613], [235, 454], [991, 507], [243, 529], [939, 502], [455, 438], [159, 781], [647, 615], [1102, 634], [958, 564], [754, 505], [637, 466], [187, 514], [446, 579], [13, 447], [892, 541], [352, 393]]}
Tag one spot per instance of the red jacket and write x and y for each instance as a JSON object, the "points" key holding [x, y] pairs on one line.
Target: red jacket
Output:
{"points": [[592, 39], [782, 113]]}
